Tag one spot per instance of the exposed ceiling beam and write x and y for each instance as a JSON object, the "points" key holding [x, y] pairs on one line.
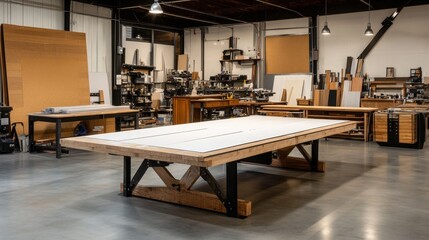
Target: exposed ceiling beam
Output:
{"points": [[203, 13], [184, 17], [278, 6]]}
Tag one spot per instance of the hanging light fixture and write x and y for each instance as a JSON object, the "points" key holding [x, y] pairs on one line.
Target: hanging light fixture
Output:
{"points": [[326, 30], [156, 8], [368, 31]]}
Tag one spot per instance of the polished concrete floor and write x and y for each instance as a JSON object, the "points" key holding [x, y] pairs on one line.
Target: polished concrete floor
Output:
{"points": [[367, 192]]}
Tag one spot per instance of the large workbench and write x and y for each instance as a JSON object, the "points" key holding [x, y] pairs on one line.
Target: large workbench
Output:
{"points": [[206, 144], [362, 115], [76, 116]]}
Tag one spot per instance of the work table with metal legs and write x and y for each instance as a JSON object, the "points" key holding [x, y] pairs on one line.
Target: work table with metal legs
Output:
{"points": [[58, 119], [207, 144]]}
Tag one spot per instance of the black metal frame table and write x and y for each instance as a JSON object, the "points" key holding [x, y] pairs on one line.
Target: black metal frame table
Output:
{"points": [[192, 144], [58, 119]]}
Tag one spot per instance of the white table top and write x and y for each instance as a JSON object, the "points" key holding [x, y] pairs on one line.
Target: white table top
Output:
{"points": [[211, 143]]}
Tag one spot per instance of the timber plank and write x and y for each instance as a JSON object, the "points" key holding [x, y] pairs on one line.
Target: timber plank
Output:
{"points": [[166, 177], [196, 199], [190, 177]]}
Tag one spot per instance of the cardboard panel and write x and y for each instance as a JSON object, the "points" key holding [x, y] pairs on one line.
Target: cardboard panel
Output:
{"points": [[287, 54], [357, 84], [321, 97], [44, 68], [182, 62], [3, 71]]}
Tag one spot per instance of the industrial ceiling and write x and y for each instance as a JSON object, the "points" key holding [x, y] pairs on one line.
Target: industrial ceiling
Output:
{"points": [[179, 14]]}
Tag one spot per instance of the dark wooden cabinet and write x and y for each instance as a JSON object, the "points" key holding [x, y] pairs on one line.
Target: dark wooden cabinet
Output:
{"points": [[182, 107]]}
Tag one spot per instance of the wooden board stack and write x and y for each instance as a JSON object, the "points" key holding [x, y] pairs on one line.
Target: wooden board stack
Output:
{"points": [[341, 90]]}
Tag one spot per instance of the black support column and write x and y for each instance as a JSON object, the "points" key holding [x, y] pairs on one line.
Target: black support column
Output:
{"points": [[116, 57], [67, 15]]}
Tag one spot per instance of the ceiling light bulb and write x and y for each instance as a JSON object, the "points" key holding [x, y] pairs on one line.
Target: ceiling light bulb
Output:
{"points": [[156, 8], [326, 30], [368, 31]]}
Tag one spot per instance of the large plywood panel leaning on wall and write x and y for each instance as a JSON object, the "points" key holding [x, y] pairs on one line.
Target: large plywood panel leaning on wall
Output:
{"points": [[287, 54], [2, 70], [44, 68]]}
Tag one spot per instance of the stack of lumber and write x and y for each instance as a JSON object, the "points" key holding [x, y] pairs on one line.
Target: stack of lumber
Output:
{"points": [[344, 91]]}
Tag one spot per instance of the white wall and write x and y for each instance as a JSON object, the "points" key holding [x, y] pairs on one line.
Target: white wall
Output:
{"points": [[164, 60], [163, 57], [404, 46], [296, 26], [246, 42], [213, 49], [36, 13], [98, 35], [144, 51], [192, 38]]}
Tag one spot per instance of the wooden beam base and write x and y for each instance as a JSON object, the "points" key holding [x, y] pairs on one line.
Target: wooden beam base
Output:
{"points": [[297, 164], [190, 198], [285, 161]]}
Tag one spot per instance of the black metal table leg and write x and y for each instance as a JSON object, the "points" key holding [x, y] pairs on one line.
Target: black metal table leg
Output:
{"points": [[136, 120], [31, 134], [117, 124], [231, 190], [127, 177], [314, 155], [58, 137]]}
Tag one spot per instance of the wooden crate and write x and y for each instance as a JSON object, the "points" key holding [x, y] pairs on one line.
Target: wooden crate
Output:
{"points": [[380, 127], [407, 128]]}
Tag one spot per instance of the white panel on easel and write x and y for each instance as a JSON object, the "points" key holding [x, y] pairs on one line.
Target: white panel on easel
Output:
{"points": [[296, 85], [99, 81]]}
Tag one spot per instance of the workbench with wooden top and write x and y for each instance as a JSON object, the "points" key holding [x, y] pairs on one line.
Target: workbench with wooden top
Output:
{"points": [[207, 144], [359, 114], [59, 118], [380, 103], [182, 107]]}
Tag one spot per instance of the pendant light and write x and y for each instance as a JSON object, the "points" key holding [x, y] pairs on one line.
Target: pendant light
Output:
{"points": [[368, 31], [326, 30], [156, 8]]}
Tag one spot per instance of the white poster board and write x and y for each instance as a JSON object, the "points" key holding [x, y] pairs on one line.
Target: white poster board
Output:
{"points": [[296, 85]]}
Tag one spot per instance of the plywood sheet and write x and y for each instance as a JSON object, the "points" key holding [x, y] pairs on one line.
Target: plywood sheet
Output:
{"points": [[3, 71], [359, 68], [357, 84], [44, 68], [321, 97], [182, 62], [287, 54]]}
